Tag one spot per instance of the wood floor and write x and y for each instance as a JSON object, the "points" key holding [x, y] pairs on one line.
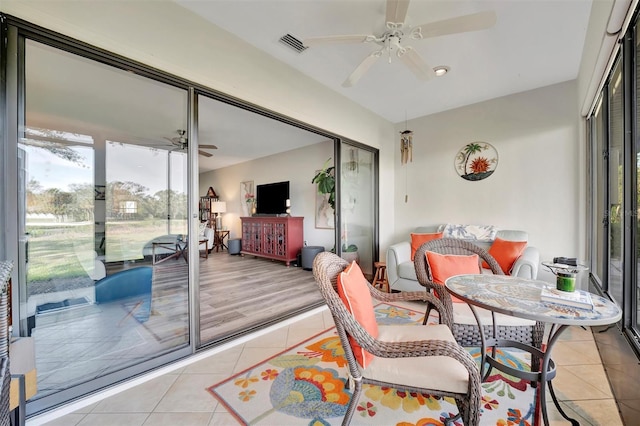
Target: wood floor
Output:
{"points": [[238, 293]]}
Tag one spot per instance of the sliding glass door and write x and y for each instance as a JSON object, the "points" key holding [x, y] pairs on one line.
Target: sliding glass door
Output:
{"points": [[103, 202], [358, 206], [616, 206], [251, 278], [599, 210], [103, 152]]}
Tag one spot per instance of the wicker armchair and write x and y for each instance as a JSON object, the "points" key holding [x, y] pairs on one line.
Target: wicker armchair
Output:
{"points": [[465, 328], [5, 383], [434, 344]]}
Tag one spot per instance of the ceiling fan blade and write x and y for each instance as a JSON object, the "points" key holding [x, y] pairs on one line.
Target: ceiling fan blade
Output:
{"points": [[208, 146], [361, 69], [460, 24], [416, 64], [397, 11], [335, 39], [204, 153]]}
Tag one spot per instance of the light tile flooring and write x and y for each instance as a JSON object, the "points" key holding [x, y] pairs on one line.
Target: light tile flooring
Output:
{"points": [[178, 396]]}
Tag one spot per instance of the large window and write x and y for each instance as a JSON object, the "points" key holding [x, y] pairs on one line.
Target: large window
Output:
{"points": [[634, 171], [598, 209], [142, 202], [614, 185], [357, 206], [616, 206]]}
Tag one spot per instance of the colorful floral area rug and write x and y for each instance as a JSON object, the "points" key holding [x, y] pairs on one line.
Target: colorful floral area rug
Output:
{"points": [[306, 385]]}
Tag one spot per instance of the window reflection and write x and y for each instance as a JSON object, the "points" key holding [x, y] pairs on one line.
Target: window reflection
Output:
{"points": [[142, 202], [98, 184]]}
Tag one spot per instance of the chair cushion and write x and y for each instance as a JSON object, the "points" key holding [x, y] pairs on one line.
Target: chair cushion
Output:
{"points": [[419, 239], [506, 253], [443, 266], [353, 289], [430, 372]]}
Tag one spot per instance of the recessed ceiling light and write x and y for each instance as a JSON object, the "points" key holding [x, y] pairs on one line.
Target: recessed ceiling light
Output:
{"points": [[441, 70]]}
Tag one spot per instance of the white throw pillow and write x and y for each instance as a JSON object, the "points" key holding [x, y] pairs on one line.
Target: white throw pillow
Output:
{"points": [[469, 232]]}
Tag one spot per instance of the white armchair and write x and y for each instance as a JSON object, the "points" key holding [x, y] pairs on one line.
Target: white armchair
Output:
{"points": [[401, 271]]}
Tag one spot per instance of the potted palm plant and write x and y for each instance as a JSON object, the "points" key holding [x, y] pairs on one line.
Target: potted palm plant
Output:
{"points": [[350, 252], [326, 183]]}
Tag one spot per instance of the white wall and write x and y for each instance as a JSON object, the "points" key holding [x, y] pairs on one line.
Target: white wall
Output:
{"points": [[534, 187], [297, 166]]}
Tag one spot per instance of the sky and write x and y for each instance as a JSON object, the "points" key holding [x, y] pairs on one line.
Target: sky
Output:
{"points": [[132, 163]]}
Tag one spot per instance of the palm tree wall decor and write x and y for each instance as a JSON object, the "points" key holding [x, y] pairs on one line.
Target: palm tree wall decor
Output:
{"points": [[476, 161]]}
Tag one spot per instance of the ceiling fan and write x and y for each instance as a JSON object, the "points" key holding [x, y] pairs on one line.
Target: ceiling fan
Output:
{"points": [[181, 142], [397, 30]]}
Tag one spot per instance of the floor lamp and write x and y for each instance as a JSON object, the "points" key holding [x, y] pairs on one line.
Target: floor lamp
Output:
{"points": [[218, 207]]}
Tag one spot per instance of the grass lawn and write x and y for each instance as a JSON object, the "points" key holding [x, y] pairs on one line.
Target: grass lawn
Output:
{"points": [[57, 251]]}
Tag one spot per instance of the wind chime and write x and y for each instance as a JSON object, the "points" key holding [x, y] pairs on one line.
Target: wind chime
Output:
{"points": [[406, 146], [406, 155]]}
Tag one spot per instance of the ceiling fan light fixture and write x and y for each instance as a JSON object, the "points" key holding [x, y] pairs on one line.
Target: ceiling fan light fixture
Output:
{"points": [[397, 29], [441, 70]]}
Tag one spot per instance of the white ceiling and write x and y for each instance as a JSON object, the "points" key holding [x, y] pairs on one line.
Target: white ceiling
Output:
{"points": [[534, 43]]}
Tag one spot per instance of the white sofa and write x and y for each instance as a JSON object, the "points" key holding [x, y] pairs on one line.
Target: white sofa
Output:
{"points": [[401, 272]]}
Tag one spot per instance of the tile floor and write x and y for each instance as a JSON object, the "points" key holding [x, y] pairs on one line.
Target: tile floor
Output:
{"points": [[176, 396]]}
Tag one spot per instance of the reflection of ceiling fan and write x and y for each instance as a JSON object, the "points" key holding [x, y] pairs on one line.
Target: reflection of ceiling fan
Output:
{"points": [[397, 30], [181, 142]]}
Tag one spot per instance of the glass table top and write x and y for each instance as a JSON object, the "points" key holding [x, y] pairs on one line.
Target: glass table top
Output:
{"points": [[520, 297]]}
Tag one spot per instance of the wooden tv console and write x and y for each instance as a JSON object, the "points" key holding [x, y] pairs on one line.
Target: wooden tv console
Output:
{"points": [[277, 238]]}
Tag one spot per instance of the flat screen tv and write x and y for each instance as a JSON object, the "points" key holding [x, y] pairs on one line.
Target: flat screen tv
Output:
{"points": [[271, 198]]}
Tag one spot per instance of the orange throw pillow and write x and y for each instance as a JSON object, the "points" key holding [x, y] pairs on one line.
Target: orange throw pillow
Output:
{"points": [[443, 266], [505, 253], [419, 239], [353, 289]]}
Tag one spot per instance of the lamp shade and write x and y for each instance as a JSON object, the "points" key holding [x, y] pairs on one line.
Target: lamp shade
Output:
{"points": [[218, 207]]}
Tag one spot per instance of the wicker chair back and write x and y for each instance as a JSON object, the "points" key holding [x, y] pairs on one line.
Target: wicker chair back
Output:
{"points": [[469, 334]]}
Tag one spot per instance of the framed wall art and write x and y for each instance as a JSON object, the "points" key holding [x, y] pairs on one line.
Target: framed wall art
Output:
{"points": [[247, 197]]}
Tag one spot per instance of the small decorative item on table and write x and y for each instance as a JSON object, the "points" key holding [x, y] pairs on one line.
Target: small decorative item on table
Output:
{"points": [[575, 299], [565, 270]]}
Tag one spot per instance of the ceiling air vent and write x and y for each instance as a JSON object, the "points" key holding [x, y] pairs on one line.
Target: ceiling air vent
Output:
{"points": [[293, 43]]}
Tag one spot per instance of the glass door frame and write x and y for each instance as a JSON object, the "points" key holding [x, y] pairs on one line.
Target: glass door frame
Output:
{"points": [[17, 32], [376, 195]]}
